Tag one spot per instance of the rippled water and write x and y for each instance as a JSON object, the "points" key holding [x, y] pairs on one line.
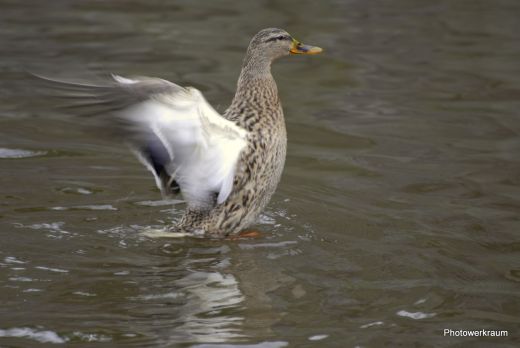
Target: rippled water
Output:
{"points": [[398, 213]]}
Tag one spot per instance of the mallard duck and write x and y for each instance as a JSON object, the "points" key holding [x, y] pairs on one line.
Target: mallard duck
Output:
{"points": [[227, 166]]}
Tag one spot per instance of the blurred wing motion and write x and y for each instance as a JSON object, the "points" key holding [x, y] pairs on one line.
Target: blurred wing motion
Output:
{"points": [[173, 130]]}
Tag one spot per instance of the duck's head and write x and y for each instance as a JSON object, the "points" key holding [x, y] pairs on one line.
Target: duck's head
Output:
{"points": [[273, 43]]}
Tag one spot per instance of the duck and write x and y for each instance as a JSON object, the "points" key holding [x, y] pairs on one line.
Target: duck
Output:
{"points": [[225, 166]]}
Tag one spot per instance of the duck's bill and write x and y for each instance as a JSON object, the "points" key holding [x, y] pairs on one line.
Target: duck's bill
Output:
{"points": [[299, 48]]}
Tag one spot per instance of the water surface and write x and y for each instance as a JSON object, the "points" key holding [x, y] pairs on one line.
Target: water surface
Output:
{"points": [[397, 216]]}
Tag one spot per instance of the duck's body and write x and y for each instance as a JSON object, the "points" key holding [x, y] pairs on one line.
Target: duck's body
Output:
{"points": [[257, 109], [226, 167]]}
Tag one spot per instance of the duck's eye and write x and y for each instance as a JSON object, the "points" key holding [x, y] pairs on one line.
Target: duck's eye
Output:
{"points": [[277, 38]]}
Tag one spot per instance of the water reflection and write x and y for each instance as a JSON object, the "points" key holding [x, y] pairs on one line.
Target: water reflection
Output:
{"points": [[196, 290], [222, 295], [209, 296]]}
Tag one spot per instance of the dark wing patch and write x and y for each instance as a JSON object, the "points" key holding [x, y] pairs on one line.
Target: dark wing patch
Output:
{"points": [[157, 158]]}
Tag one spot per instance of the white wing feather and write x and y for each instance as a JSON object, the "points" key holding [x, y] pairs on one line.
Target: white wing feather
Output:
{"points": [[203, 146], [194, 144]]}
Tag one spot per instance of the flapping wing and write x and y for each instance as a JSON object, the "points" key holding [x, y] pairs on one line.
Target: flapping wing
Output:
{"points": [[174, 131]]}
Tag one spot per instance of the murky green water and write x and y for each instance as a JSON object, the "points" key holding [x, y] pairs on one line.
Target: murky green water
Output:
{"points": [[397, 217]]}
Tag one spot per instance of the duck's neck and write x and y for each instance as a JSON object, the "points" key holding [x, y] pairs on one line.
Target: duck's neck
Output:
{"points": [[256, 82]]}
